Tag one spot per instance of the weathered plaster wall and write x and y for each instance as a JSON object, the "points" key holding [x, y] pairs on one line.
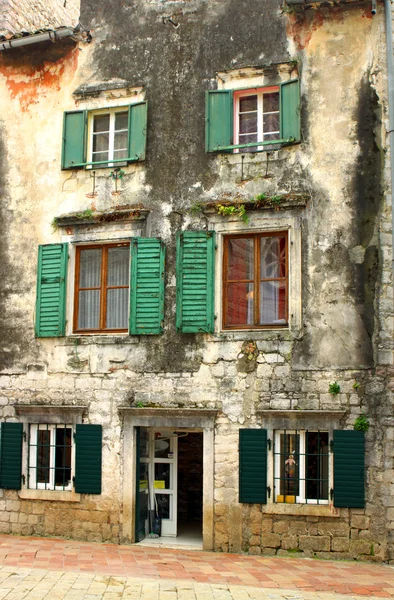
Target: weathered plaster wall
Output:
{"points": [[30, 15], [346, 315]]}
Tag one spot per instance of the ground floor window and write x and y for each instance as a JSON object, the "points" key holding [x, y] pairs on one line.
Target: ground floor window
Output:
{"points": [[50, 457], [301, 466]]}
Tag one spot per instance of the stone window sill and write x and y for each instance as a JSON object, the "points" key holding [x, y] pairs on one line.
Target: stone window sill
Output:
{"points": [[50, 495], [309, 510]]}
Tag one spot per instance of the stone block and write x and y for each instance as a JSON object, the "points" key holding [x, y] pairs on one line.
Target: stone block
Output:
{"points": [[297, 527], [340, 544], [266, 525], [360, 522], [315, 544], [5, 527], [256, 550], [32, 519], [358, 547], [254, 540], [270, 540], [281, 527], [289, 542], [333, 528]]}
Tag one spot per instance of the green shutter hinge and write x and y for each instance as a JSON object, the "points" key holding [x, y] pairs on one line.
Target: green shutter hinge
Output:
{"points": [[331, 493], [24, 436], [331, 445], [73, 481], [23, 479], [74, 435], [269, 491], [269, 443]]}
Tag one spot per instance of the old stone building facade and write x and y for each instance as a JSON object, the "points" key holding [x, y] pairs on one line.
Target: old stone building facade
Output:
{"points": [[196, 297]]}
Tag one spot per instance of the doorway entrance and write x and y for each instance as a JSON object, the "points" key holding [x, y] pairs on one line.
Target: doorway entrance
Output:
{"points": [[169, 485]]}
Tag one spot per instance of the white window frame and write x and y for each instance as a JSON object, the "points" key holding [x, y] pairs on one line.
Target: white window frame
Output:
{"points": [[301, 498], [32, 457], [259, 92], [112, 113]]}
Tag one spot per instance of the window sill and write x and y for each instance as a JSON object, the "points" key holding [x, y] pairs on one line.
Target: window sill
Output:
{"points": [[309, 510], [257, 334], [50, 495]]}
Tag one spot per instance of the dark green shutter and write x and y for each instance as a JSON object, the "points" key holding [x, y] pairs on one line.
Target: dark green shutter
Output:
{"points": [[74, 139], [349, 484], [51, 290], [290, 109], [138, 115], [147, 286], [253, 466], [195, 281], [11, 455], [88, 459], [218, 119]]}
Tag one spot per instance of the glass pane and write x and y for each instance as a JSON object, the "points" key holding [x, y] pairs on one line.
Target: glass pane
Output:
{"points": [[163, 502], [163, 448], [90, 268], [63, 456], [248, 139], [162, 475], [271, 102], [43, 455], [118, 266], [271, 136], [89, 309], [120, 142], [240, 259], [117, 308], [121, 121], [272, 257], [248, 123], [289, 466], [247, 104], [273, 303], [100, 142], [100, 157], [316, 465], [240, 304], [271, 123], [101, 123]]}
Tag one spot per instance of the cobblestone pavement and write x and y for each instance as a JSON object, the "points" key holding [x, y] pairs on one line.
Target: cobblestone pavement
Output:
{"points": [[38, 568]]}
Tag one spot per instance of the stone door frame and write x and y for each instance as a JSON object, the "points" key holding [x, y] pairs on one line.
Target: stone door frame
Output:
{"points": [[194, 419]]}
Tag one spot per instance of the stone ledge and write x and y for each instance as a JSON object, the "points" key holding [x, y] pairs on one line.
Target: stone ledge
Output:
{"points": [[51, 495], [300, 510], [183, 418], [296, 419], [41, 413]]}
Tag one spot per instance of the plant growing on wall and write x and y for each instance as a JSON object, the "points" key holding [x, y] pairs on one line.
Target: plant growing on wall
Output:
{"points": [[236, 210], [361, 423], [334, 388]]}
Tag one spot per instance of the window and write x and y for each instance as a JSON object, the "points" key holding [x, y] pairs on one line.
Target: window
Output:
{"points": [[301, 472], [256, 117], [255, 280], [253, 119], [104, 138], [50, 457], [108, 136], [102, 288], [118, 287]]}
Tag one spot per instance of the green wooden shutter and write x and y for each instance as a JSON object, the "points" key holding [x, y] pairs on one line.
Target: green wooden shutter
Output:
{"points": [[290, 109], [11, 455], [88, 459], [74, 139], [253, 466], [51, 290], [147, 286], [218, 119], [138, 122], [349, 485], [195, 270]]}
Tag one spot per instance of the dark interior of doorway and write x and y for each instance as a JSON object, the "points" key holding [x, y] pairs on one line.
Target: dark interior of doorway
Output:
{"points": [[190, 479]]}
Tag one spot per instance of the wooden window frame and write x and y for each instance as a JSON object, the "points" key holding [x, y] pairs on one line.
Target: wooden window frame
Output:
{"points": [[111, 142], [259, 92], [257, 280], [103, 287]]}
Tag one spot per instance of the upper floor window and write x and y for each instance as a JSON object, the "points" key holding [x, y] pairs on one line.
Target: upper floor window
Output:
{"points": [[252, 119], [255, 280], [108, 136], [104, 138], [102, 276], [257, 117]]}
